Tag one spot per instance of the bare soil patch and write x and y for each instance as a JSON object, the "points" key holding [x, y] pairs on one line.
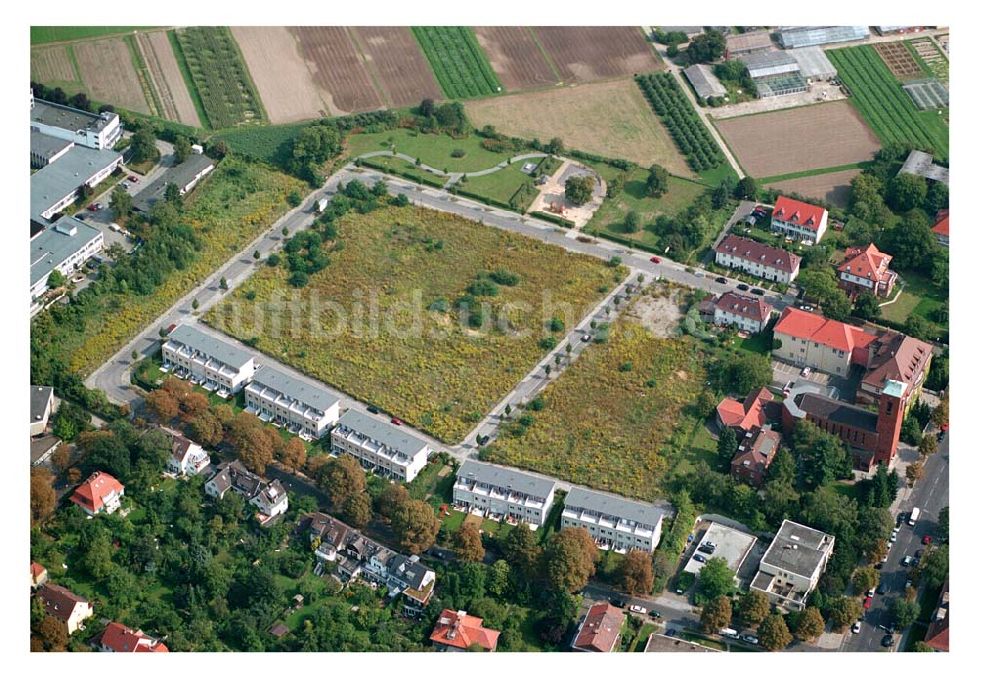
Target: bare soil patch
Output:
{"points": [[659, 312], [899, 60], [799, 139], [585, 54], [834, 187], [167, 79], [608, 118], [337, 67], [398, 64], [107, 71], [287, 84], [52, 64], [516, 57]]}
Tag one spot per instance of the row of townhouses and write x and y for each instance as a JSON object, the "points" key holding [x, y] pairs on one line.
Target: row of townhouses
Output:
{"points": [[614, 522], [380, 447], [350, 554], [291, 402], [494, 490], [207, 361]]}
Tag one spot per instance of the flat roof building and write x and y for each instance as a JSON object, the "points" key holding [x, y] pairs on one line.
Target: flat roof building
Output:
{"points": [[185, 176], [492, 489], [46, 149], [64, 246], [806, 36], [731, 545], [922, 164], [613, 521], [379, 446], [57, 185], [661, 643], [207, 361], [99, 131], [305, 409], [705, 84], [792, 564]]}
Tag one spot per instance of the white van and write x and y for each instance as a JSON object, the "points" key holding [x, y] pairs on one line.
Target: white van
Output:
{"points": [[729, 632]]}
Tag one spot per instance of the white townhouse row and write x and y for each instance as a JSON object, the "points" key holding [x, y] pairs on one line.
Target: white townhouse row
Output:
{"points": [[207, 361], [303, 408], [757, 259], [383, 448], [505, 492], [614, 522]]}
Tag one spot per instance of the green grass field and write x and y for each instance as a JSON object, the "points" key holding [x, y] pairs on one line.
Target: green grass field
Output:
{"points": [[612, 428], [920, 297], [881, 100], [222, 84], [503, 185], [419, 364], [458, 62], [267, 144], [407, 170], [431, 149], [41, 35]]}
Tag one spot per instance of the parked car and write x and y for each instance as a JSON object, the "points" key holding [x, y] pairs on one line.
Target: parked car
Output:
{"points": [[756, 291], [788, 388], [656, 259], [618, 602], [93, 207], [749, 639], [721, 280], [699, 558], [635, 608], [926, 540], [396, 421], [806, 371], [892, 537], [870, 593], [586, 338], [868, 603], [918, 554], [654, 614], [888, 641], [133, 178], [881, 588], [706, 550], [742, 287], [711, 545], [372, 408], [670, 632], [856, 628], [908, 561]]}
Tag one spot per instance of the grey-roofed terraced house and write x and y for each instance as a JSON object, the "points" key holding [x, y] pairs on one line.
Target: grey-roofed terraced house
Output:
{"points": [[207, 361], [185, 176], [485, 489], [792, 564], [57, 185], [383, 448], [64, 246], [703, 80], [99, 131], [306, 410], [614, 522]]}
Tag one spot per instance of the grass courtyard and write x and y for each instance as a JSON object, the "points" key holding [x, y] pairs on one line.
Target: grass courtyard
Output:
{"points": [[616, 419], [435, 150], [381, 322]]}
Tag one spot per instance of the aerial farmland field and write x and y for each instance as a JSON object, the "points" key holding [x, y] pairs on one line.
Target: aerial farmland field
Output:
{"points": [[401, 70], [517, 57], [109, 75], [443, 377], [337, 67], [585, 54], [53, 65], [171, 90], [799, 139], [833, 187], [459, 64]]}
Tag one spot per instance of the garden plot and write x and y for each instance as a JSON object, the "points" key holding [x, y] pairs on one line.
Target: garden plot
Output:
{"points": [[459, 63], [53, 65], [516, 57], [927, 94], [109, 75], [929, 53], [899, 60], [799, 139]]}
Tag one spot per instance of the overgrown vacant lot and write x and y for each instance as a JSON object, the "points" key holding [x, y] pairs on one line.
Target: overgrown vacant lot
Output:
{"points": [[607, 420], [406, 265]]}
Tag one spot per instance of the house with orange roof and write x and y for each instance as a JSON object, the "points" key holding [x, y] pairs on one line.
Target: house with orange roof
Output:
{"points": [[65, 606], [601, 629], [460, 631], [746, 415], [940, 228], [866, 270], [100, 493], [39, 575], [810, 340], [798, 220], [119, 638]]}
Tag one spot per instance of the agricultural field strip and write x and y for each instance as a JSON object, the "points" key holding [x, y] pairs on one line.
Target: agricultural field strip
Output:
{"points": [[457, 60]]}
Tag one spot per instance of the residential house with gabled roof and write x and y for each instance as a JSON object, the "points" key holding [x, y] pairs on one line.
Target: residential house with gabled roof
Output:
{"points": [[187, 458], [749, 313], [460, 631], [810, 340], [940, 228], [39, 575], [407, 576], [798, 220], [270, 498], [895, 357], [757, 259], [746, 415], [42, 404], [99, 493], [754, 455], [601, 629], [65, 606], [119, 638], [866, 270]]}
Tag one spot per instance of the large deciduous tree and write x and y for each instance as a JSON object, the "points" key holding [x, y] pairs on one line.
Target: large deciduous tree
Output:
{"points": [[774, 634], [716, 614], [753, 607], [579, 189], [468, 543], [810, 625], [656, 182], [715, 579], [416, 526], [637, 573], [570, 559], [43, 496]]}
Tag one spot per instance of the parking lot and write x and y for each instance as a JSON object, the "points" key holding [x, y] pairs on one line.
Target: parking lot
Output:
{"points": [[785, 373]]}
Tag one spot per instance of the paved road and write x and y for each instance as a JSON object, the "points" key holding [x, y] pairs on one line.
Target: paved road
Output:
{"points": [[930, 495]]}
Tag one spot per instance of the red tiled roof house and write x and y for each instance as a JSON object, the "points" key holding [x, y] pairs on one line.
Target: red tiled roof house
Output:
{"points": [[121, 639], [39, 575], [749, 313], [757, 259], [458, 631], [746, 415], [601, 629], [100, 493], [940, 228], [798, 220], [866, 270], [809, 340], [937, 631], [65, 606], [754, 456]]}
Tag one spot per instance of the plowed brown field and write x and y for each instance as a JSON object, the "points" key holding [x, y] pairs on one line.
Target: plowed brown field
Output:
{"points": [[107, 72], [337, 67], [516, 57], [799, 139], [584, 54], [167, 79], [52, 64], [399, 66], [834, 187]]}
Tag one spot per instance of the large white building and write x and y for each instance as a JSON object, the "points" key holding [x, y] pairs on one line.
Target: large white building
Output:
{"points": [[613, 521], [303, 408], [100, 131], [501, 491], [792, 565], [207, 361], [798, 220], [64, 246], [57, 185], [383, 448]]}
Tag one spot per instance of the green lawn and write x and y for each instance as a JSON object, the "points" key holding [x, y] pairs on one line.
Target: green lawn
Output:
{"points": [[640, 640], [431, 149], [405, 169], [430, 485], [43, 34], [757, 343], [501, 186], [920, 298]]}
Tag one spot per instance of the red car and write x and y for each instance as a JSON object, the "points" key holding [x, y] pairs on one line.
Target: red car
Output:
{"points": [[396, 421], [92, 207], [655, 259], [133, 179], [926, 540], [868, 603]]}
